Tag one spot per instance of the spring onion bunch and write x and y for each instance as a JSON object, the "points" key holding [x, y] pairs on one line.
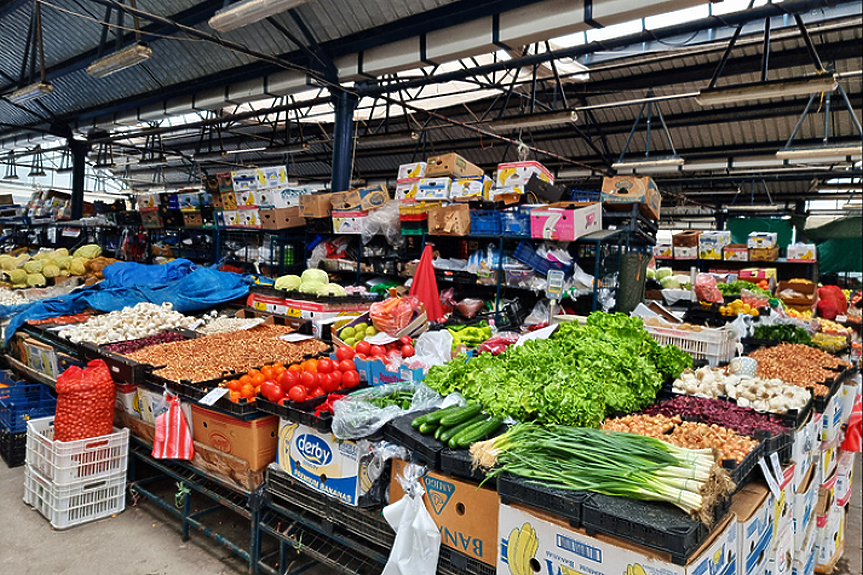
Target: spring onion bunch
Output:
{"points": [[612, 463]]}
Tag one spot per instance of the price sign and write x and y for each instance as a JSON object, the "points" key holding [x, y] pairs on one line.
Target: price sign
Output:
{"points": [[554, 286]]}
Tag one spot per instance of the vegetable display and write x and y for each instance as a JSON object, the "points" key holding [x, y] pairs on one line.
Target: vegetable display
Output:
{"points": [[771, 395], [797, 364], [734, 288], [298, 382], [575, 377], [125, 347], [715, 411], [612, 463], [783, 332], [458, 426], [135, 322]]}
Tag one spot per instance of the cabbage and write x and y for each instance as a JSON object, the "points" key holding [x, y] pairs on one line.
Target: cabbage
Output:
{"points": [[332, 290], [20, 261], [78, 267], [289, 282], [50, 271], [315, 275], [34, 280], [42, 255], [669, 282], [651, 273], [6, 261], [17, 276], [19, 286], [59, 252], [663, 273], [33, 267], [88, 252], [311, 287], [63, 262]]}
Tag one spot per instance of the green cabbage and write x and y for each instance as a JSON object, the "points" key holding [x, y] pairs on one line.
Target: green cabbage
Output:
{"points": [[59, 252], [17, 276], [6, 261], [88, 252], [78, 267], [651, 273], [34, 280], [50, 271], [289, 282], [669, 282], [315, 275], [63, 262], [20, 261], [332, 290], [663, 273], [33, 267], [311, 287]]}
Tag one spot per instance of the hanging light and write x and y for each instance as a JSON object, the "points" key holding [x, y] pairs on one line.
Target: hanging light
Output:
{"points": [[249, 11], [11, 171], [767, 90], [121, 60], [394, 138], [31, 92], [534, 121], [37, 169], [65, 162]]}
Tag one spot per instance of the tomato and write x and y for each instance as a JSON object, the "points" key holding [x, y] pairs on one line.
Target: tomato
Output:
{"points": [[284, 400], [337, 376], [362, 356], [257, 377], [406, 340], [346, 352], [271, 390], [330, 382], [310, 365], [309, 379], [347, 365], [234, 385], [235, 396], [350, 379], [363, 348], [391, 346], [247, 391], [296, 368], [408, 350], [297, 393], [288, 380], [246, 380], [378, 351], [317, 392], [326, 366]]}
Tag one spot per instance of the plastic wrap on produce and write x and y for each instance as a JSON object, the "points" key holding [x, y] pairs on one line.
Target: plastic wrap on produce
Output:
{"points": [[354, 418]]}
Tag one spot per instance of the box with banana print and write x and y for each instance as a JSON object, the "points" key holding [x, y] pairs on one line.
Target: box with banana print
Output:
{"points": [[531, 541]]}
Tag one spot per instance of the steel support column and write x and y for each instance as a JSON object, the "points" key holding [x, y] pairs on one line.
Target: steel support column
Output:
{"points": [[343, 139], [79, 157]]}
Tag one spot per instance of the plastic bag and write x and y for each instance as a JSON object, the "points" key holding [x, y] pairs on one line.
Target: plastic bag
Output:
{"points": [[539, 314], [173, 438], [469, 307], [753, 299], [706, 290], [353, 417], [432, 348], [377, 470], [417, 544], [393, 314], [385, 221], [85, 402], [499, 342]]}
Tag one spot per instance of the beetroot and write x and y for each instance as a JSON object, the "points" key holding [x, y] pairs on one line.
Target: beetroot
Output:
{"points": [[132, 345], [725, 413]]}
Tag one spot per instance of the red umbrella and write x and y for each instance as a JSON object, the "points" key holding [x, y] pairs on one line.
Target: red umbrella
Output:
{"points": [[424, 286]]}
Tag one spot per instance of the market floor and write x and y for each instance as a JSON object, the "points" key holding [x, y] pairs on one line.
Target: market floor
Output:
{"points": [[144, 541]]}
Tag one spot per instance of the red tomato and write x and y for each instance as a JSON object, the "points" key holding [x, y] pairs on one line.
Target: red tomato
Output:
{"points": [[346, 352], [330, 382], [363, 348], [377, 351], [362, 356], [271, 390], [406, 340], [317, 392], [337, 376], [408, 350], [309, 380], [347, 365], [391, 346], [297, 393], [350, 379], [326, 366], [288, 380]]}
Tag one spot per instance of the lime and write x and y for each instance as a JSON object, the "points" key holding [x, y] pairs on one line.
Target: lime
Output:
{"points": [[350, 342], [347, 332], [370, 331]]}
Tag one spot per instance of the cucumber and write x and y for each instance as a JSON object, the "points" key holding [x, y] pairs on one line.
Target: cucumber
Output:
{"points": [[450, 431], [453, 440], [428, 427], [439, 431], [469, 411], [433, 416], [472, 434]]}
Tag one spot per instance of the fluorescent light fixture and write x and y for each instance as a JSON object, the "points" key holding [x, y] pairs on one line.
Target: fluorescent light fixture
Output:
{"points": [[669, 163], [750, 208], [395, 138], [534, 121], [711, 193], [30, 92], [211, 156], [249, 11], [569, 173], [105, 165], [821, 154], [121, 60], [289, 149], [152, 162], [246, 150], [39, 173], [767, 90]]}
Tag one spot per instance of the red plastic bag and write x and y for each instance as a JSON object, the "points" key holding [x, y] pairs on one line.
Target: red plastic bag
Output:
{"points": [[173, 438], [706, 290], [85, 402], [498, 344], [831, 302]]}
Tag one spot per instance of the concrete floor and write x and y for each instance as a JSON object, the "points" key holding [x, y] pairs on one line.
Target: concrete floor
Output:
{"points": [[143, 540]]}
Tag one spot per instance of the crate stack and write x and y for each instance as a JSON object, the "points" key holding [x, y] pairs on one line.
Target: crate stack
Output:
{"points": [[19, 403], [75, 482]]}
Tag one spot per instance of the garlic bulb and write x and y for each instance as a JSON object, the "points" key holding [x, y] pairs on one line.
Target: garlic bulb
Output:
{"points": [[142, 320]]}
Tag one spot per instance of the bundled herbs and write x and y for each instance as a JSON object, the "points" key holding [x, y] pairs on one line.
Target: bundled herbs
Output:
{"points": [[783, 332], [612, 463], [575, 377]]}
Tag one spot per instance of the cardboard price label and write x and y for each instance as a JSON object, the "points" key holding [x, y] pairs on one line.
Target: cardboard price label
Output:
{"points": [[214, 395]]}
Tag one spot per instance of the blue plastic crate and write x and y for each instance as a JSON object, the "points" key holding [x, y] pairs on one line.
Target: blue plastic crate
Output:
{"points": [[24, 402], [584, 196], [515, 222], [527, 255], [485, 222]]}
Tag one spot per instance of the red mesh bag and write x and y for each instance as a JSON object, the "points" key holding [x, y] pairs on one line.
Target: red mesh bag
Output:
{"points": [[85, 402]]}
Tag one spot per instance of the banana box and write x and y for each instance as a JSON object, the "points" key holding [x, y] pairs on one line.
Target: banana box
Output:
{"points": [[783, 506], [804, 557], [465, 513], [247, 198], [226, 181], [272, 177], [830, 538], [279, 198], [804, 509], [412, 171], [349, 221], [245, 180], [531, 541], [663, 251], [434, 189], [802, 253], [249, 217], [148, 201], [471, 188], [762, 240], [516, 174], [320, 461], [752, 507], [231, 218], [126, 399], [781, 561], [407, 189], [711, 244]]}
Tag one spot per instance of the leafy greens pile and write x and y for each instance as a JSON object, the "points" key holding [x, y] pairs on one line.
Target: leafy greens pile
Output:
{"points": [[734, 288], [576, 377]]}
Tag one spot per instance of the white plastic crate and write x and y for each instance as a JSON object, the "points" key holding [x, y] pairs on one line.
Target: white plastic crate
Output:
{"points": [[66, 461], [79, 502], [715, 345]]}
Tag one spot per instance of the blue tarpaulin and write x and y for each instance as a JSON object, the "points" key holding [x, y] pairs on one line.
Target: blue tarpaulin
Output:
{"points": [[191, 291]]}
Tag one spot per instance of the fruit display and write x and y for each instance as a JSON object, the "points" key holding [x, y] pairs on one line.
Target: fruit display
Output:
{"points": [[141, 320], [805, 314], [215, 323], [716, 411], [797, 364], [763, 395], [738, 307], [783, 332], [829, 342], [298, 382], [126, 347], [833, 328], [313, 282], [355, 333]]}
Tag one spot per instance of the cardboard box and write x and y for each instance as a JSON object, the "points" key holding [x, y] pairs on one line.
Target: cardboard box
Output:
{"points": [[282, 218], [711, 244], [803, 449], [802, 253], [804, 557], [451, 165], [150, 405], [781, 561], [226, 181], [247, 198], [407, 189], [272, 177], [316, 205], [783, 507], [685, 253], [151, 218], [249, 217], [562, 549], [764, 254], [169, 201], [832, 421], [477, 187], [807, 289], [453, 220], [409, 172], [360, 199], [761, 240], [253, 441], [756, 274], [465, 513], [687, 239], [804, 508], [753, 508], [230, 218], [280, 197], [193, 219], [324, 463], [565, 221], [40, 357], [189, 201], [663, 251], [848, 394], [844, 478], [516, 175], [210, 183], [626, 190], [216, 198], [126, 399], [245, 180], [736, 253], [145, 201], [229, 200], [349, 222], [828, 458], [64, 362], [830, 539], [434, 189]]}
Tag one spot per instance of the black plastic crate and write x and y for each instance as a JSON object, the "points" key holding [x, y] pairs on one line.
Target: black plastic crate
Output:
{"points": [[319, 225], [367, 524], [303, 412], [451, 562], [424, 447], [819, 402], [560, 502], [13, 447], [750, 344], [122, 368], [657, 525], [782, 444], [458, 463], [741, 473]]}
